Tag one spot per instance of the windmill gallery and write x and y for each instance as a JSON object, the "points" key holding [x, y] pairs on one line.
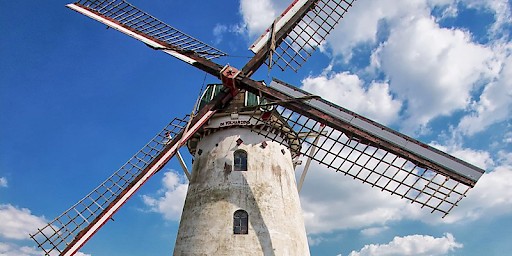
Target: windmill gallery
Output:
{"points": [[246, 139]]}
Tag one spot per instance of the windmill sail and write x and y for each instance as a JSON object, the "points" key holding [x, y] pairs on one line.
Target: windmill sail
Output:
{"points": [[297, 32], [370, 152], [138, 24], [67, 233]]}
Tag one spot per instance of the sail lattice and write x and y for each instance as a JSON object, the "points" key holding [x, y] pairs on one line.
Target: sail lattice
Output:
{"points": [[135, 20], [368, 162], [57, 235], [309, 33], [363, 149]]}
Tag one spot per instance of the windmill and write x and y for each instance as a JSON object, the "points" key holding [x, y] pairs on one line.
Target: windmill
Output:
{"points": [[246, 138]]}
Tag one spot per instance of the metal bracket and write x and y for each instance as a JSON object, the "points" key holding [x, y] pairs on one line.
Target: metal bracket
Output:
{"points": [[272, 44], [183, 165], [312, 152], [228, 76]]}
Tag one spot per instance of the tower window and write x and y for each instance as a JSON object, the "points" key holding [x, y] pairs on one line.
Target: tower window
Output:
{"points": [[251, 99], [240, 222], [240, 160]]}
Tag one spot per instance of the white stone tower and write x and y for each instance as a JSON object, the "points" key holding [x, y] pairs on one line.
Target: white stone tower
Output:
{"points": [[242, 198]]}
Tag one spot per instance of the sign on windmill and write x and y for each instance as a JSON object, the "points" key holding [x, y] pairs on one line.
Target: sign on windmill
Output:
{"points": [[245, 138]]}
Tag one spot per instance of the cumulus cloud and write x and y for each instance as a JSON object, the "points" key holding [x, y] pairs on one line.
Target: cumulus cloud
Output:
{"points": [[18, 223], [171, 197], [494, 104], [315, 240], [82, 254], [478, 158], [507, 138], [505, 158], [347, 90], [362, 24], [373, 231], [12, 249], [332, 202], [500, 8], [3, 182], [326, 195], [433, 69], [220, 30], [257, 15], [492, 196], [419, 245], [370, 17]]}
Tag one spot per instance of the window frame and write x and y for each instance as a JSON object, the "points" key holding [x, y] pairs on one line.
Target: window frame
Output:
{"points": [[240, 222], [242, 166], [246, 100]]}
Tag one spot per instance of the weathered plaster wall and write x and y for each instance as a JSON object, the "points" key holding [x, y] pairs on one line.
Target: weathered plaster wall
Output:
{"points": [[267, 191]]}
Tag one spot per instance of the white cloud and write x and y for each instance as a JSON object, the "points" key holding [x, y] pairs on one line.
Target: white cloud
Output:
{"points": [[347, 90], [18, 223], [507, 138], [170, 203], [315, 240], [366, 18], [494, 104], [433, 69], [11, 249], [373, 231], [361, 25], [331, 201], [448, 8], [492, 196], [82, 254], [419, 245], [257, 15], [3, 182], [479, 158], [500, 8], [219, 30], [505, 158]]}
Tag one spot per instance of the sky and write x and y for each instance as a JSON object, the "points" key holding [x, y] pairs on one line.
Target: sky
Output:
{"points": [[77, 100]]}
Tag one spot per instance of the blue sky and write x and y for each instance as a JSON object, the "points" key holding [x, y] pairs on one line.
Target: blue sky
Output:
{"points": [[78, 100]]}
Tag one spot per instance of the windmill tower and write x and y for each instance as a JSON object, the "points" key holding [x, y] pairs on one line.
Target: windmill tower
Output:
{"points": [[242, 196]]}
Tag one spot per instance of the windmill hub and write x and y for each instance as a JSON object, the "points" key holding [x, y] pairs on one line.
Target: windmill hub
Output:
{"points": [[227, 76]]}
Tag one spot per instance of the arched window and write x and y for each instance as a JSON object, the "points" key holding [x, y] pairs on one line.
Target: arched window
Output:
{"points": [[240, 160], [240, 222]]}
